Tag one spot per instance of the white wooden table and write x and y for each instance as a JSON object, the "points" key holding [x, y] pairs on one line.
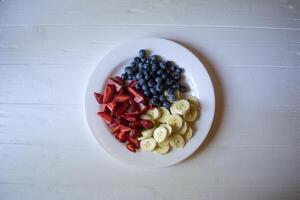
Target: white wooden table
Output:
{"points": [[250, 48]]}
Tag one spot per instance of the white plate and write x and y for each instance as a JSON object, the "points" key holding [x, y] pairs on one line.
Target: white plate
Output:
{"points": [[195, 75]]}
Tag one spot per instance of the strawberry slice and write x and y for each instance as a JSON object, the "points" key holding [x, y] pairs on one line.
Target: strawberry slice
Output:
{"points": [[134, 141], [134, 107], [118, 85], [106, 117], [116, 129], [122, 98], [132, 83], [138, 97], [134, 124], [143, 107], [119, 80], [123, 91], [112, 106], [121, 136], [146, 123], [99, 97], [130, 116], [106, 109], [131, 147], [124, 128], [121, 110], [109, 92]]}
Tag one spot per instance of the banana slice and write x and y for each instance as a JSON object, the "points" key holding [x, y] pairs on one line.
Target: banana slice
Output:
{"points": [[160, 134], [177, 141], [147, 117], [193, 99], [148, 144], [180, 107], [192, 114], [154, 113], [189, 134], [148, 133], [183, 128], [164, 143], [162, 150], [177, 94], [164, 114], [168, 127], [175, 122]]}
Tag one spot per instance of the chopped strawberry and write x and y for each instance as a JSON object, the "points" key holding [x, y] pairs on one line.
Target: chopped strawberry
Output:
{"points": [[134, 107], [134, 141], [131, 147], [106, 117], [116, 129], [112, 106], [109, 92], [119, 80], [106, 109], [124, 128], [138, 97], [130, 117], [118, 85], [123, 121], [99, 97], [123, 91], [122, 98], [143, 107], [121, 110], [121, 136], [145, 123], [132, 83], [134, 124]]}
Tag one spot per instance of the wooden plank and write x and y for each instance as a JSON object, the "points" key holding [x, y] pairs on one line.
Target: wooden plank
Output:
{"points": [[270, 14], [86, 45], [65, 84]]}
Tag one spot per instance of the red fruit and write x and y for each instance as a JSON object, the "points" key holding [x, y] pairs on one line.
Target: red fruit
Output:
{"points": [[106, 109], [134, 141], [143, 107], [134, 107], [109, 92], [134, 124], [116, 129], [106, 117], [118, 85], [122, 98], [145, 123], [121, 136], [123, 91], [131, 147], [99, 97], [124, 128], [138, 97], [132, 83], [119, 80], [112, 106], [150, 107], [130, 118], [121, 110]]}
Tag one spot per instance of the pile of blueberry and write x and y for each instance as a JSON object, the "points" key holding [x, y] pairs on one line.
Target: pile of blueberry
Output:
{"points": [[155, 76]]}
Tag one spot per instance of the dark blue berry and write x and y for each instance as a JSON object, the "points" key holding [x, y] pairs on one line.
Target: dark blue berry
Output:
{"points": [[145, 87], [147, 93], [132, 64], [172, 97], [124, 76], [162, 65], [147, 77], [155, 96], [161, 97], [169, 64], [176, 78], [154, 67], [169, 82], [138, 86], [166, 104], [178, 71], [146, 66], [159, 88], [142, 53], [173, 68], [170, 91], [183, 88], [158, 79], [153, 91], [160, 72], [154, 57], [137, 60], [128, 69], [176, 86], [164, 76], [142, 82]]}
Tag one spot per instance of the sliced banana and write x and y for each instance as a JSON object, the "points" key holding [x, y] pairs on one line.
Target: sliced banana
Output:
{"points": [[154, 113], [177, 94], [164, 143], [180, 107], [192, 114], [177, 141], [168, 127], [160, 134], [148, 144], [148, 133], [162, 150], [193, 99], [183, 128], [189, 134], [164, 114], [147, 117], [175, 122]]}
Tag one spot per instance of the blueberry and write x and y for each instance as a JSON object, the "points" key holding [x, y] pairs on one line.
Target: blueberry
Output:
{"points": [[143, 60], [145, 66], [161, 97], [147, 77], [166, 104], [160, 72], [177, 78], [130, 77], [170, 91], [169, 82], [153, 91], [138, 86], [145, 87], [158, 88], [137, 60], [142, 53], [147, 93], [155, 96], [162, 65], [128, 69], [183, 88], [153, 101], [124, 76], [169, 64], [147, 61], [132, 64], [158, 79], [154, 67], [173, 68], [142, 82], [154, 57], [178, 71], [164, 76], [151, 82], [176, 86], [172, 97]]}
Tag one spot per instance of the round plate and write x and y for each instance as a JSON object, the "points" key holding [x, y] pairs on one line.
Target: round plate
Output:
{"points": [[195, 75]]}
